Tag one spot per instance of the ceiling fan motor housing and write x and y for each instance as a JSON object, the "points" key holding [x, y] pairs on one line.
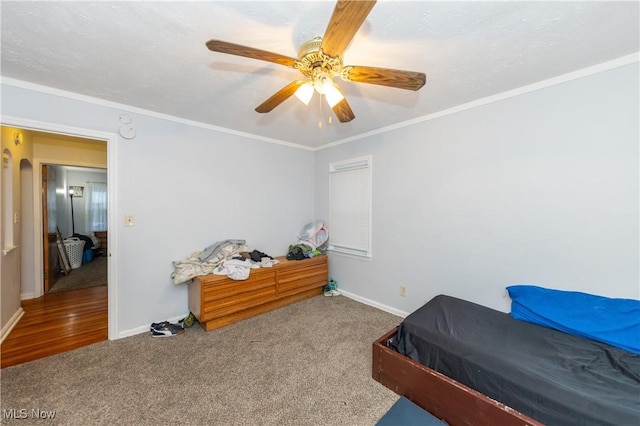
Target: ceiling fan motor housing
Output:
{"points": [[312, 62]]}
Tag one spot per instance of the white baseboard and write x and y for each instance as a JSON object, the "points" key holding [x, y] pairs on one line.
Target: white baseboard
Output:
{"points": [[27, 296], [12, 323], [145, 328], [375, 304]]}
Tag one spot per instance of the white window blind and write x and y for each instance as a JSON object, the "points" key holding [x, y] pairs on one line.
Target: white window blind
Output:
{"points": [[350, 206], [96, 206]]}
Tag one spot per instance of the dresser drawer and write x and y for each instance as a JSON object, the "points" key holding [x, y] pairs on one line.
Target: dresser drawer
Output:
{"points": [[226, 296], [223, 287], [239, 302], [301, 278]]}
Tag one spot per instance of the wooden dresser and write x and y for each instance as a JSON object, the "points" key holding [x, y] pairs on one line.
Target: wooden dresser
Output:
{"points": [[217, 301], [102, 236]]}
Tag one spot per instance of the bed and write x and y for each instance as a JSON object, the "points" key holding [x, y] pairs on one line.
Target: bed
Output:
{"points": [[468, 364]]}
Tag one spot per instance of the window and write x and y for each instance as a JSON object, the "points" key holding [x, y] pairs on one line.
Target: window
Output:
{"points": [[350, 206], [96, 206]]}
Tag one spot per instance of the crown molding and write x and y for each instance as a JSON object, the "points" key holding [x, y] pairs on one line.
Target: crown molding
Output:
{"points": [[575, 75], [564, 78]]}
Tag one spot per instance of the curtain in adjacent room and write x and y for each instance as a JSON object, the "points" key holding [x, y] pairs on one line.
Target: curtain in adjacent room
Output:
{"points": [[96, 206]]}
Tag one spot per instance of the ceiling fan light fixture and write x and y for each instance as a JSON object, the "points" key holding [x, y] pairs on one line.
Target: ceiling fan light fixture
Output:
{"points": [[325, 86], [305, 92], [333, 95], [321, 82]]}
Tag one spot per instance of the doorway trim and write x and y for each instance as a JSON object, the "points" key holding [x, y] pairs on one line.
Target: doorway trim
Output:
{"points": [[111, 140]]}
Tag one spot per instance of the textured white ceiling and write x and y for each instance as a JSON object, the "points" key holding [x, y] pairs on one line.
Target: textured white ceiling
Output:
{"points": [[152, 55]]}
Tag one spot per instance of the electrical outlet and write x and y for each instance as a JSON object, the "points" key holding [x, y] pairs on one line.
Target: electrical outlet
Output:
{"points": [[403, 291]]}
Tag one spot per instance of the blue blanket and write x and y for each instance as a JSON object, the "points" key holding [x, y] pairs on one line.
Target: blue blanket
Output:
{"points": [[612, 321]]}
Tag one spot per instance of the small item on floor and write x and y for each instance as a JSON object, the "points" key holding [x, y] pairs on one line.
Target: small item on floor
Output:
{"points": [[406, 413], [188, 321], [165, 329], [331, 288]]}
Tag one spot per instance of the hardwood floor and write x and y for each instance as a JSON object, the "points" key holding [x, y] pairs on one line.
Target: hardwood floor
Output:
{"points": [[57, 323]]}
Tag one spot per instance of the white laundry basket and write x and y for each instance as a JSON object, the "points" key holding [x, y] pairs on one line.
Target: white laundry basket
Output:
{"points": [[75, 249]]}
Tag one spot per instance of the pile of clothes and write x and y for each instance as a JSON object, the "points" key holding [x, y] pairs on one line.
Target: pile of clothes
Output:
{"points": [[312, 241], [232, 258], [239, 266]]}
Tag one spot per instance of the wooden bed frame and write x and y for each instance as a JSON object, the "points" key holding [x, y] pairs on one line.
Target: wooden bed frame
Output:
{"points": [[441, 396]]}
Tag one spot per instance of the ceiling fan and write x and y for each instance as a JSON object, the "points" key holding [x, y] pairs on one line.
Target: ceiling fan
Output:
{"points": [[320, 60]]}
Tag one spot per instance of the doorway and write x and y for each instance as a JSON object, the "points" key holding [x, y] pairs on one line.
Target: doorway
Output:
{"points": [[58, 322], [51, 156], [74, 209]]}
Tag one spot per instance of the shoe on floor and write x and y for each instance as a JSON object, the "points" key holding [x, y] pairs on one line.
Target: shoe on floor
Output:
{"points": [[158, 325], [165, 329], [188, 321]]}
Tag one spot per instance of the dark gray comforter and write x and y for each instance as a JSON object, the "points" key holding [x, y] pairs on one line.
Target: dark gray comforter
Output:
{"points": [[551, 376]]}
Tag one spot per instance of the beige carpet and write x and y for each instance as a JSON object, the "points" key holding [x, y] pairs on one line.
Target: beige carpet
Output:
{"points": [[90, 274], [305, 364]]}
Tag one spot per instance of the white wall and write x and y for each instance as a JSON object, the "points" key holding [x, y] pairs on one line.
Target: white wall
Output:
{"points": [[187, 187], [541, 188]]}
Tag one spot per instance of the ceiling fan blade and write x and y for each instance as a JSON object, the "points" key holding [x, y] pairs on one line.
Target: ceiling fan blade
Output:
{"points": [[250, 52], [400, 79], [347, 18], [342, 109], [280, 96]]}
